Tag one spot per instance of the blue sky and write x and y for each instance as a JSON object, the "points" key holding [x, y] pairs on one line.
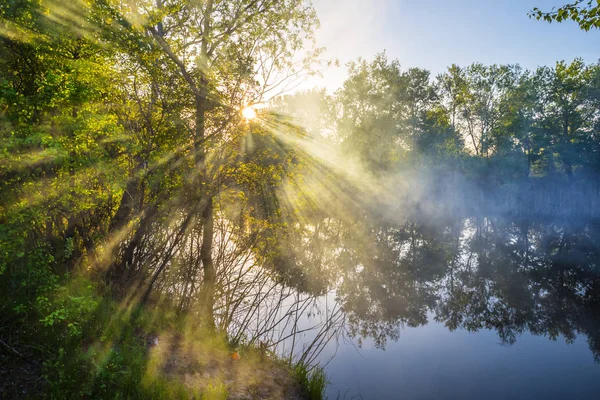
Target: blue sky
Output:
{"points": [[433, 34]]}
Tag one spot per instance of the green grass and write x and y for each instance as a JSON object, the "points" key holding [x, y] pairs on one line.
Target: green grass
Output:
{"points": [[312, 380]]}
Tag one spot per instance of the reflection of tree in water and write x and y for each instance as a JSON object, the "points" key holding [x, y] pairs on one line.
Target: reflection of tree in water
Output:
{"points": [[519, 277], [479, 273], [386, 280]]}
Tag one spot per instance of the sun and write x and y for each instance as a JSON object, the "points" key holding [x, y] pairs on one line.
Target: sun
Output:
{"points": [[249, 113]]}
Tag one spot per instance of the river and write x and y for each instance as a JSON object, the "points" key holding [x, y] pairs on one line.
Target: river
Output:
{"points": [[457, 308]]}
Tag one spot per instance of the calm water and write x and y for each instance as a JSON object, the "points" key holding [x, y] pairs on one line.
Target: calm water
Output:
{"points": [[462, 308]]}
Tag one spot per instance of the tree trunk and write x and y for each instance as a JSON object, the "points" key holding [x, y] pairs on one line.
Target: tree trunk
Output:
{"points": [[208, 283], [199, 146], [567, 147], [125, 206]]}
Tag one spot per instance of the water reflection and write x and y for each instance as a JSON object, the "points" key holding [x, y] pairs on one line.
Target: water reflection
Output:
{"points": [[369, 280], [468, 273]]}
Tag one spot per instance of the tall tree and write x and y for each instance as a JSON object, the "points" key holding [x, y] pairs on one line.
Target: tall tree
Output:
{"points": [[229, 54]]}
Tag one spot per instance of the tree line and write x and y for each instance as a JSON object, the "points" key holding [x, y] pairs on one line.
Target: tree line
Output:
{"points": [[502, 119]]}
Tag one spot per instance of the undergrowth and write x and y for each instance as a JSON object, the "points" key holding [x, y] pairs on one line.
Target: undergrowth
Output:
{"points": [[76, 342]]}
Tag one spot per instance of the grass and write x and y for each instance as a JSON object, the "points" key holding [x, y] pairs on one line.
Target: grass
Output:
{"points": [[312, 380]]}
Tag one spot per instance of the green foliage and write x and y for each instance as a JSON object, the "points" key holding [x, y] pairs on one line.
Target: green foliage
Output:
{"points": [[217, 392], [114, 367], [586, 13], [96, 149], [313, 380]]}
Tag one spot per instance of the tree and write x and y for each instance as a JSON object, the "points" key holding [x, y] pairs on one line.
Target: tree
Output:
{"points": [[225, 55], [64, 170], [586, 13], [567, 113], [472, 96], [383, 112]]}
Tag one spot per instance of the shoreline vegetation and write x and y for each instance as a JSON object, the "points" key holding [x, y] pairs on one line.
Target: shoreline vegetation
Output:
{"points": [[145, 352]]}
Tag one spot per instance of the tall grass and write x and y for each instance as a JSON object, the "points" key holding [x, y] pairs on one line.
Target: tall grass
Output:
{"points": [[312, 380]]}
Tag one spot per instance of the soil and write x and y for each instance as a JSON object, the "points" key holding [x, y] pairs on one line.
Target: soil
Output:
{"points": [[249, 374], [20, 374]]}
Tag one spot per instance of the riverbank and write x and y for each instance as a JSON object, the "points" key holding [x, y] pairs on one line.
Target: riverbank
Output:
{"points": [[120, 352]]}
